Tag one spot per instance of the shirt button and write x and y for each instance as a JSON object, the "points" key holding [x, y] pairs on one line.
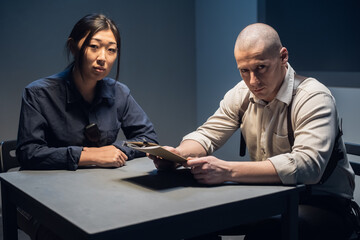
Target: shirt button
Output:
{"points": [[263, 151]]}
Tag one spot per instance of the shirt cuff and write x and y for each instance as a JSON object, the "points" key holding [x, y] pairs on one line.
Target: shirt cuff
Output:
{"points": [[285, 166], [204, 142], [74, 157], [130, 153]]}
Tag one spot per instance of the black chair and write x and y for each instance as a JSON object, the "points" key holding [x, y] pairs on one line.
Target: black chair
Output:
{"points": [[354, 149], [8, 158]]}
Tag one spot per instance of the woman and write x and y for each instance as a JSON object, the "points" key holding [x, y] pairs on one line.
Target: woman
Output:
{"points": [[73, 118]]}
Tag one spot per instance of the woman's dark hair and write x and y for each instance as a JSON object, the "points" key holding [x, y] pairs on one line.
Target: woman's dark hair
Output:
{"points": [[88, 26]]}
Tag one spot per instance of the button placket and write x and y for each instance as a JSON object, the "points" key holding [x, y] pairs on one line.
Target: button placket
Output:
{"points": [[264, 125]]}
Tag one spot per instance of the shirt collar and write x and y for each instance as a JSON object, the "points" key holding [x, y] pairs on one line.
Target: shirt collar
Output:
{"points": [[286, 90], [105, 89], [285, 93]]}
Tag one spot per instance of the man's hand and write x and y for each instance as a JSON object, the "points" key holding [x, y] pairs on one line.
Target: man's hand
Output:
{"points": [[107, 156], [163, 164], [209, 169]]}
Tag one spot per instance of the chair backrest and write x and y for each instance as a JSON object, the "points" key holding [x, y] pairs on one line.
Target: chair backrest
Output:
{"points": [[8, 158], [354, 149]]}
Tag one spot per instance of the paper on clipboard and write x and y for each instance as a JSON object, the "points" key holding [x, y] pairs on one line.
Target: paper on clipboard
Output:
{"points": [[156, 150]]}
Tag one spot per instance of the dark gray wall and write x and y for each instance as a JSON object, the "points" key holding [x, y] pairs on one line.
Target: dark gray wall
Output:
{"points": [[323, 42], [319, 33], [157, 61], [217, 25], [322, 37]]}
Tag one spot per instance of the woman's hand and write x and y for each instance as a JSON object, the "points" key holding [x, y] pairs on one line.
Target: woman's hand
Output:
{"points": [[107, 156]]}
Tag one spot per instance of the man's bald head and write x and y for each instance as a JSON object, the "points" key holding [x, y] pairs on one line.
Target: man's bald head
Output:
{"points": [[259, 35]]}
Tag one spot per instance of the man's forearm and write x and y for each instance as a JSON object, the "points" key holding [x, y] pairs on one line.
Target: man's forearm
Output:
{"points": [[191, 148], [253, 172]]}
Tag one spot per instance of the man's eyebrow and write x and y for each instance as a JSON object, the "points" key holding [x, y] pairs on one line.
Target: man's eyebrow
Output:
{"points": [[99, 40]]}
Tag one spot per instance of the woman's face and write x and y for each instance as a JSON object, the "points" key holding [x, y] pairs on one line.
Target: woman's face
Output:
{"points": [[99, 55]]}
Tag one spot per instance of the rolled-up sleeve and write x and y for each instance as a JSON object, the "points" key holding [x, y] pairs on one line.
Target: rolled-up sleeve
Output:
{"points": [[315, 127]]}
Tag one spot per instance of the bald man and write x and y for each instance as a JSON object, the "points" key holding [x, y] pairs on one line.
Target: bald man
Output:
{"points": [[291, 129]]}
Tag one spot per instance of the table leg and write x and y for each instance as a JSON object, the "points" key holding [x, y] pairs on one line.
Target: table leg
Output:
{"points": [[8, 215], [290, 218]]}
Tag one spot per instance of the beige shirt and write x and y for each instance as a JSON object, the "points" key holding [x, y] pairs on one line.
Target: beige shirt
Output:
{"points": [[314, 121]]}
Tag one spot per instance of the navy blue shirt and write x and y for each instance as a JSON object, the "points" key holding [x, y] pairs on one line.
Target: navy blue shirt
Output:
{"points": [[54, 115]]}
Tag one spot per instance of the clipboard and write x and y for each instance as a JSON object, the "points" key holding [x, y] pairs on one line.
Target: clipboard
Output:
{"points": [[156, 150]]}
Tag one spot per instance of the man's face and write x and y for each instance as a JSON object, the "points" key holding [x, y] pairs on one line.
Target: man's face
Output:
{"points": [[99, 56], [262, 73]]}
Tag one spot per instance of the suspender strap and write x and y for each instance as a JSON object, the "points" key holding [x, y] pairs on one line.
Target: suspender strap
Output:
{"points": [[298, 79], [242, 145], [336, 153]]}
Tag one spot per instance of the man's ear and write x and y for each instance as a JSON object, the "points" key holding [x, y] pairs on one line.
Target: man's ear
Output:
{"points": [[284, 54]]}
